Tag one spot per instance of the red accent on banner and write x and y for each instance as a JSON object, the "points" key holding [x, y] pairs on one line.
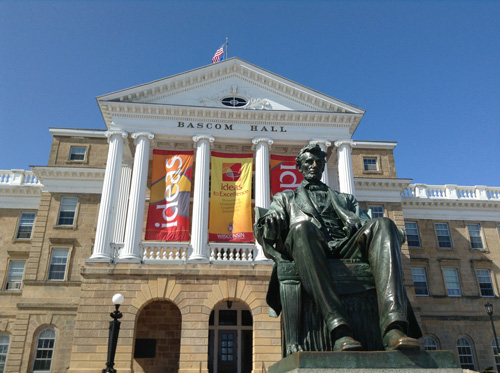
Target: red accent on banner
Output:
{"points": [[168, 214], [284, 173]]}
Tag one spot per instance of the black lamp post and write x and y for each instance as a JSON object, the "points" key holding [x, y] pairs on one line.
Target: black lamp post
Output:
{"points": [[489, 310], [114, 329]]}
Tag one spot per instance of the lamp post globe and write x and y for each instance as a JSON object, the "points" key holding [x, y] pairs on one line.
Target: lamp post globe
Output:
{"points": [[114, 330]]}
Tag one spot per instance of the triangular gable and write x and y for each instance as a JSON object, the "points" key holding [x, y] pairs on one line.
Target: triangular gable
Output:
{"points": [[256, 88]]}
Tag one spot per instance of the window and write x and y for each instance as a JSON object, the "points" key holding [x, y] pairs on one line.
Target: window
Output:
{"points": [[44, 351], [58, 261], [430, 344], [15, 275], [377, 211], [25, 225], [67, 211], [485, 284], [370, 164], [452, 283], [77, 153], [412, 235], [475, 236], [465, 354], [420, 281], [4, 349], [443, 235], [234, 101], [496, 352]]}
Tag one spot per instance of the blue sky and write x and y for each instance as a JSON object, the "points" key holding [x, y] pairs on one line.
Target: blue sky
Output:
{"points": [[426, 72]]}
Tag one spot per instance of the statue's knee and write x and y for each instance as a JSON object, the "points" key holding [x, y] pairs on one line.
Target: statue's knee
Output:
{"points": [[303, 227], [384, 222]]}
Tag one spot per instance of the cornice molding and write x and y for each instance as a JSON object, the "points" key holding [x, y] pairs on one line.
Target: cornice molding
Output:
{"points": [[376, 144], [451, 203], [380, 190], [451, 210], [194, 113], [77, 132], [70, 180]]}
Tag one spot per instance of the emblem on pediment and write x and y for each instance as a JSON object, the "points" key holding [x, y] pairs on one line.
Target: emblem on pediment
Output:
{"points": [[232, 97]]}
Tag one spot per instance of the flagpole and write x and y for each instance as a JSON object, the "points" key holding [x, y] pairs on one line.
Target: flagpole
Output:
{"points": [[227, 53]]}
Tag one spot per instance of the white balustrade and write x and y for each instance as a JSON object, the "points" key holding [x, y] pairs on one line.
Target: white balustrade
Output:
{"points": [[164, 251], [18, 177], [478, 192], [232, 253]]}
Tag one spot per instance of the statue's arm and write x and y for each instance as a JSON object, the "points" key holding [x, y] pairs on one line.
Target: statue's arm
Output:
{"points": [[270, 227], [354, 207]]}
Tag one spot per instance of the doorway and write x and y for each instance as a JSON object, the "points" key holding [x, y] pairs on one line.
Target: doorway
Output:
{"points": [[230, 339]]}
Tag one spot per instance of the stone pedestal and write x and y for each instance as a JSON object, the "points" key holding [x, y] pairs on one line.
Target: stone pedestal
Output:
{"points": [[369, 362]]}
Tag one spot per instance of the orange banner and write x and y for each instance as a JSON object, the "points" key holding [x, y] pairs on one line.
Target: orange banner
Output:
{"points": [[231, 198], [168, 215], [284, 173]]}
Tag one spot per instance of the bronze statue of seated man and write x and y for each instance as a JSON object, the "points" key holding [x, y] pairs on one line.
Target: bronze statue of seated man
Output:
{"points": [[315, 223]]}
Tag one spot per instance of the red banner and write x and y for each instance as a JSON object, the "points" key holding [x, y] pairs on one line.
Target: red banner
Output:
{"points": [[284, 173], [168, 215]]}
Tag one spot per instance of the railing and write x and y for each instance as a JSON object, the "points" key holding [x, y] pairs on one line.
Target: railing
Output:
{"points": [[178, 252], [243, 253], [165, 251], [478, 192], [18, 177]]}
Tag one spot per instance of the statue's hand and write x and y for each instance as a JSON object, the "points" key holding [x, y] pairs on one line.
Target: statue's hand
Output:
{"points": [[351, 227], [272, 224]]}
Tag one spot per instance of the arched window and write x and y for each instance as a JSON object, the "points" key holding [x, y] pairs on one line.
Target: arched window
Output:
{"points": [[430, 344], [465, 354], [495, 352], [44, 350], [4, 349]]}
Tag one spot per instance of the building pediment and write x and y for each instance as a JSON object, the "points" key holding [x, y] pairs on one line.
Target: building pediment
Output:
{"points": [[229, 90], [209, 85]]}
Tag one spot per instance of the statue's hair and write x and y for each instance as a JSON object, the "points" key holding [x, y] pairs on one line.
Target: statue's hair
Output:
{"points": [[310, 148]]}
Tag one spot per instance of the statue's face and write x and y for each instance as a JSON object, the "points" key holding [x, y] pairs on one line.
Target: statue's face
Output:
{"points": [[311, 167]]}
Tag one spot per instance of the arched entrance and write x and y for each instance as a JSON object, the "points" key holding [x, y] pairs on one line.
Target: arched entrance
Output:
{"points": [[158, 338], [230, 338]]}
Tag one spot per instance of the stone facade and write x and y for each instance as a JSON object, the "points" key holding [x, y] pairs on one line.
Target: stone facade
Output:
{"points": [[186, 305]]}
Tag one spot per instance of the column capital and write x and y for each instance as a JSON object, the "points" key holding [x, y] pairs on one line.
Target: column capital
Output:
{"points": [[209, 138], [111, 133], [257, 140], [347, 142], [149, 135], [323, 142]]}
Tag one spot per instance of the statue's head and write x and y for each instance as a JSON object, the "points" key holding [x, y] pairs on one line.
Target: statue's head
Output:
{"points": [[311, 162]]}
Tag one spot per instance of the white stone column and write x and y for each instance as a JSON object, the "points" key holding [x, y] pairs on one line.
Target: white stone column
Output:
{"points": [[199, 226], [110, 190], [262, 181], [121, 204], [131, 251], [346, 176], [323, 144]]}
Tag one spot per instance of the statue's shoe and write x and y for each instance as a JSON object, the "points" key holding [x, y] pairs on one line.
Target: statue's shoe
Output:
{"points": [[347, 344], [395, 339]]}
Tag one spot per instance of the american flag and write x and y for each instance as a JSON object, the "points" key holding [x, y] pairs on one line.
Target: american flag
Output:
{"points": [[218, 54]]}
